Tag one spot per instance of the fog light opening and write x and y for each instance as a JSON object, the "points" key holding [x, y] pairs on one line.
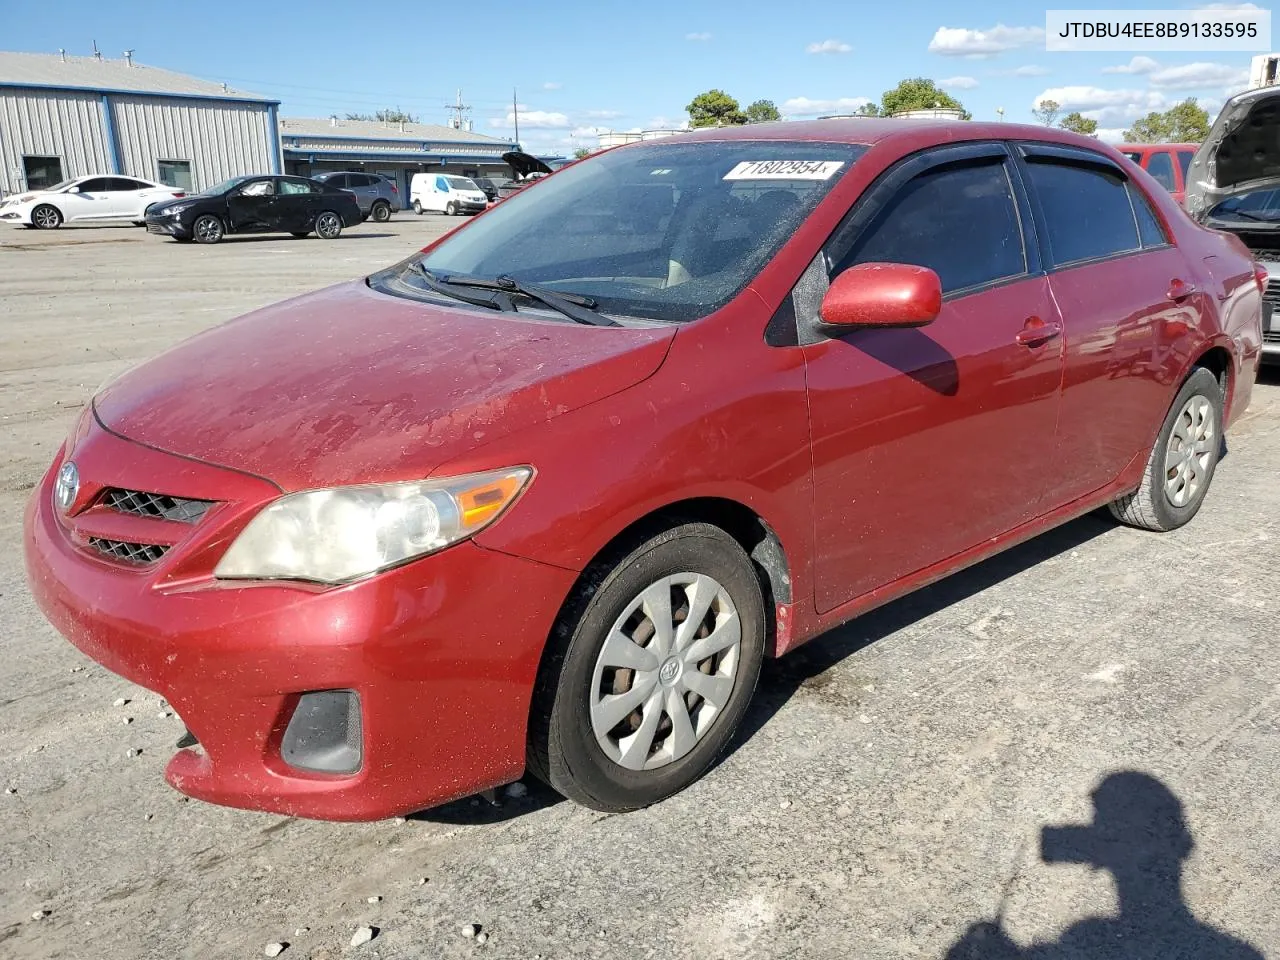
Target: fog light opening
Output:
{"points": [[325, 733]]}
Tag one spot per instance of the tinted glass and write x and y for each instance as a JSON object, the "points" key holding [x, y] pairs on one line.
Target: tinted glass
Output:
{"points": [[1087, 211], [960, 222], [664, 231], [339, 180], [124, 184], [94, 185], [1160, 166], [293, 188], [1258, 205], [1149, 229], [462, 183], [1184, 161]]}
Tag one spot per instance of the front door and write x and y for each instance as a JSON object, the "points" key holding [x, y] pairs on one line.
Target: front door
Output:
{"points": [[249, 205], [91, 199], [929, 441]]}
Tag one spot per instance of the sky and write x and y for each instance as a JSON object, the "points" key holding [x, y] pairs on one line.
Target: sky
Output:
{"points": [[577, 68]]}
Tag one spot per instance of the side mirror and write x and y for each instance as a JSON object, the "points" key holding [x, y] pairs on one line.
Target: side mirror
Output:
{"points": [[73, 189], [883, 295]]}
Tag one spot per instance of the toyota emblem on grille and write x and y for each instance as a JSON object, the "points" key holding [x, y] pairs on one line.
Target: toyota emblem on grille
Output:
{"points": [[66, 486]]}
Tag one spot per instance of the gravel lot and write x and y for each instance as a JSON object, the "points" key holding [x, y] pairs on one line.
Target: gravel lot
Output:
{"points": [[888, 792]]}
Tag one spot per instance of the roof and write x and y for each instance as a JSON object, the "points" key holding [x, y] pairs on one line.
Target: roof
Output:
{"points": [[109, 76], [324, 127]]}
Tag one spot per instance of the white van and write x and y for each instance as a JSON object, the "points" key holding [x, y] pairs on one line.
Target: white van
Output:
{"points": [[445, 194]]}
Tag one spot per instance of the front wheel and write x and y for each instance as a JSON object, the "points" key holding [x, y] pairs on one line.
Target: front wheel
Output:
{"points": [[649, 671], [1182, 462], [207, 229], [46, 217], [328, 225], [451, 208]]}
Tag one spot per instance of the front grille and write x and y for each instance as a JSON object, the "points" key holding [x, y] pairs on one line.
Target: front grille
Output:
{"points": [[138, 553], [159, 505]]}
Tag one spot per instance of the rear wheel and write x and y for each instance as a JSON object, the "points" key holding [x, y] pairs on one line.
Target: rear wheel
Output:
{"points": [[1182, 462], [46, 217], [451, 208], [381, 212], [207, 229], [649, 670], [328, 225]]}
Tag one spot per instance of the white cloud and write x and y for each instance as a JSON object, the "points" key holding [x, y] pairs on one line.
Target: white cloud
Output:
{"points": [[666, 123], [804, 107], [959, 83], [579, 132], [1136, 65], [533, 120], [1198, 76], [979, 44], [552, 85], [1111, 134], [1111, 108], [697, 36], [602, 114], [1030, 70], [828, 46]]}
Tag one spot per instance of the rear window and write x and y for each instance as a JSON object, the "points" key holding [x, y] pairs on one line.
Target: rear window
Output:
{"points": [[1086, 210], [659, 231]]}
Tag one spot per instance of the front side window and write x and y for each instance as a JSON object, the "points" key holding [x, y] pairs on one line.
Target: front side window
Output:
{"points": [[666, 232], [1160, 166], [959, 221], [258, 188], [1086, 210]]}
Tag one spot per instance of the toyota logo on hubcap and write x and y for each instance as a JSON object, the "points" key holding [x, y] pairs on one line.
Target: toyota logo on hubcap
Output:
{"points": [[66, 486]]}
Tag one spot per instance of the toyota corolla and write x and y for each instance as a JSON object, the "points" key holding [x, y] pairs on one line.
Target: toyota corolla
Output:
{"points": [[544, 495]]}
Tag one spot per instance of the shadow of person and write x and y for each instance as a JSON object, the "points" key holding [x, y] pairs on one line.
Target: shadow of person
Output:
{"points": [[1138, 835]]}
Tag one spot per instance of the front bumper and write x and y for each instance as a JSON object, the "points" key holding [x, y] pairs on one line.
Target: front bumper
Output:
{"points": [[443, 653], [165, 226]]}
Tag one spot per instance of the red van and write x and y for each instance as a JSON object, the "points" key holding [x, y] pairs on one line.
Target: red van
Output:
{"points": [[1166, 162]]}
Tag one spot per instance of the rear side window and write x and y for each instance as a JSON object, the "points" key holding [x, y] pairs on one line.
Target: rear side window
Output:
{"points": [[1086, 210], [1184, 161], [959, 221], [1160, 166], [360, 180], [96, 185], [291, 187], [339, 180], [1149, 230]]}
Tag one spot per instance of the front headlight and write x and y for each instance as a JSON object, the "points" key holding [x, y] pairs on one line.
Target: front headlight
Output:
{"points": [[344, 533]]}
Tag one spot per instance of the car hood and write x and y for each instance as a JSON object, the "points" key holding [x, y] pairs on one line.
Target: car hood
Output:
{"points": [[348, 385], [524, 164], [1241, 153]]}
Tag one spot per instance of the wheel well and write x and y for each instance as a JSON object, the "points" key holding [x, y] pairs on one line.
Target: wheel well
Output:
{"points": [[1218, 362]]}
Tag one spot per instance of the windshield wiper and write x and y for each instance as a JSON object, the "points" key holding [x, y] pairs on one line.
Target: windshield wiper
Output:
{"points": [[574, 306], [442, 286]]}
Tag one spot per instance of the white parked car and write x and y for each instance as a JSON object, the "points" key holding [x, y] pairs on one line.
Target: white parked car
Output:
{"points": [[445, 194], [86, 198]]}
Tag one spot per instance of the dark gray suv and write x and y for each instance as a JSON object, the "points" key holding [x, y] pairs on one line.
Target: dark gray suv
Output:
{"points": [[376, 195]]}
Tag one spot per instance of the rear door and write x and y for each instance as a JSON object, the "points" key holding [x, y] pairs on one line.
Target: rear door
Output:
{"points": [[127, 197], [295, 205], [929, 441], [1122, 288]]}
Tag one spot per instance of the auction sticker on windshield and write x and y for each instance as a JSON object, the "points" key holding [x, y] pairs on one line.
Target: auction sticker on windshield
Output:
{"points": [[784, 170]]}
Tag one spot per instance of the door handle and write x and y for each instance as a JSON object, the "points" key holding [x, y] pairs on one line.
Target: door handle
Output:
{"points": [[1035, 332], [1179, 290]]}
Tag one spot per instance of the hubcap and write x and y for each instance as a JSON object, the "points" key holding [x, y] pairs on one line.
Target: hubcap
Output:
{"points": [[1192, 446], [209, 229], [46, 217], [327, 225], [666, 671]]}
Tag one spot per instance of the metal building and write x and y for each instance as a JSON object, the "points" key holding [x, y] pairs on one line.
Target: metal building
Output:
{"points": [[63, 117], [394, 150]]}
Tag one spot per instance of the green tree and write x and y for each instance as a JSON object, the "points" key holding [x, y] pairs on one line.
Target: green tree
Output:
{"points": [[1078, 123], [393, 115], [1046, 111], [1186, 122], [715, 108], [919, 93], [869, 110], [762, 110], [581, 152]]}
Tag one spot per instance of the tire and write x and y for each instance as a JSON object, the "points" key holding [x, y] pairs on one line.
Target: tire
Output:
{"points": [[1179, 472], [571, 746], [208, 229], [328, 225], [417, 207], [299, 233], [381, 212], [46, 217], [451, 209]]}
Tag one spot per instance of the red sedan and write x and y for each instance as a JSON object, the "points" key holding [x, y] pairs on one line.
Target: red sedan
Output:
{"points": [[544, 495]]}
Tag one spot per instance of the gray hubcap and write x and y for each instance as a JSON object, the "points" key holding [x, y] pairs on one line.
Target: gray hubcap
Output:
{"points": [[666, 671], [1192, 446], [328, 225], [45, 217], [208, 229]]}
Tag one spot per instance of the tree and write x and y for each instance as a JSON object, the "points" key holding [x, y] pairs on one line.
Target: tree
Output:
{"points": [[1186, 122], [919, 93], [392, 115], [1078, 123], [869, 110], [1046, 111], [581, 152], [762, 110], [715, 108]]}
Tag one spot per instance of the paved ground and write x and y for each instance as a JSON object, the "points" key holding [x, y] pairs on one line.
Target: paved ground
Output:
{"points": [[888, 793]]}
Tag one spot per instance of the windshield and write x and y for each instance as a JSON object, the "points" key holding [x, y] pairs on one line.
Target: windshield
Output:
{"points": [[462, 183], [224, 187], [661, 231], [1259, 205]]}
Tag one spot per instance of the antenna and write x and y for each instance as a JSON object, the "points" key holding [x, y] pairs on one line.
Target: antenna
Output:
{"points": [[128, 57], [62, 52], [97, 54], [515, 114], [458, 108]]}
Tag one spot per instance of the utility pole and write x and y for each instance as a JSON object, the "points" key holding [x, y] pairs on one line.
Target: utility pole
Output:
{"points": [[515, 114], [457, 108]]}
